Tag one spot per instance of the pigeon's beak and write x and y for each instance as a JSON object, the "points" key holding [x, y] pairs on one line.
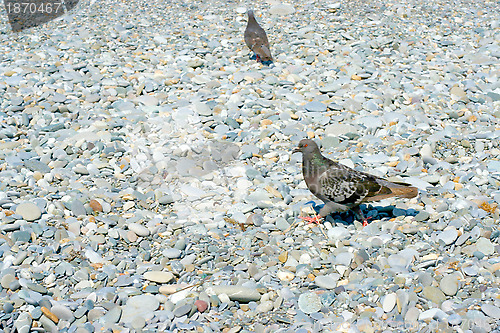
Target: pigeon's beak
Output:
{"points": [[297, 150]]}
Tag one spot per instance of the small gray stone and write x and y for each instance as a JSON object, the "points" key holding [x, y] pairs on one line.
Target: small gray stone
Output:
{"points": [[21, 236], [315, 106], [172, 253], [422, 216], [327, 281], [36, 165], [182, 310], [77, 208]]}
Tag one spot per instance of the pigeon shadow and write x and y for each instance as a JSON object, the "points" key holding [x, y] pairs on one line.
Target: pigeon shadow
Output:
{"points": [[370, 211]]}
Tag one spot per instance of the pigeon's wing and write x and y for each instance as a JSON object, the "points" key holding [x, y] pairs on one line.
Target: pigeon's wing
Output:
{"points": [[255, 36], [349, 187]]}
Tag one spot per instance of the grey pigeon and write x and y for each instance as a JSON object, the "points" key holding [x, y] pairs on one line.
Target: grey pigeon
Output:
{"points": [[256, 40], [342, 188]]}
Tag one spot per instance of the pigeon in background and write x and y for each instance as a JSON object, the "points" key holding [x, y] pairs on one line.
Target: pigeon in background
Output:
{"points": [[342, 188], [256, 40]]}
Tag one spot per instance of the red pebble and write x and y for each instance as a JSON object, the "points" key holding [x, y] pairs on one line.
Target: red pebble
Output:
{"points": [[201, 305]]}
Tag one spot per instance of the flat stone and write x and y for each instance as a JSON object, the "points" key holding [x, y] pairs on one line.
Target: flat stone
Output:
{"points": [[327, 281], [433, 294], [434, 313], [35, 165], [62, 312], [172, 253], [113, 315], [412, 315], [339, 129], [315, 107], [281, 9], [449, 284], [485, 246], [201, 305], [237, 293], [422, 216], [29, 211], [158, 276], [77, 208], [309, 303], [491, 310], [454, 319], [448, 236], [182, 310], [139, 305]]}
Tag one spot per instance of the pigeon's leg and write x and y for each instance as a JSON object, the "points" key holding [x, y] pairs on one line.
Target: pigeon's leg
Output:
{"points": [[361, 216], [257, 58], [317, 219]]}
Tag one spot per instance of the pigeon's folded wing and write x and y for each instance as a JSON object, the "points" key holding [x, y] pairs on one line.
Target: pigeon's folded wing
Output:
{"points": [[348, 187]]}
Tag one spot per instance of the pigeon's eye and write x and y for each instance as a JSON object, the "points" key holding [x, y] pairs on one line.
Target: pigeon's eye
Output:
{"points": [[305, 145]]}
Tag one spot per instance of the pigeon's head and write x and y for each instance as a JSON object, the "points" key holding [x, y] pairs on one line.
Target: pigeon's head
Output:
{"points": [[306, 146], [250, 13]]}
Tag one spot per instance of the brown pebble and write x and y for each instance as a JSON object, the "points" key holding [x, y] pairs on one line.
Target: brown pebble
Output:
{"points": [[95, 205], [49, 314], [201, 305]]}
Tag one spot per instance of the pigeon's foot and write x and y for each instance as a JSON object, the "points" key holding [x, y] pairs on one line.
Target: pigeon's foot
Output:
{"points": [[366, 220], [361, 217], [317, 219]]}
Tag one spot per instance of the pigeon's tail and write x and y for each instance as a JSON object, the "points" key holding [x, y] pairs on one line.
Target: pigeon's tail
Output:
{"points": [[264, 52], [404, 191], [392, 189]]}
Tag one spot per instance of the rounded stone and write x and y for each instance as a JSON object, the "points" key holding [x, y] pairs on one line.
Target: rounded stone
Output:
{"points": [[449, 284], [138, 229], [309, 303], [389, 302], [201, 305]]}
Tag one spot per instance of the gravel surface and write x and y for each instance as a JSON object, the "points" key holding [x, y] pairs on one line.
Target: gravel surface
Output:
{"points": [[147, 181]]}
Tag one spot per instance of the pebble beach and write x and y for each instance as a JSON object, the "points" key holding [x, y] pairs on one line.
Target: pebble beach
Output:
{"points": [[148, 184]]}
